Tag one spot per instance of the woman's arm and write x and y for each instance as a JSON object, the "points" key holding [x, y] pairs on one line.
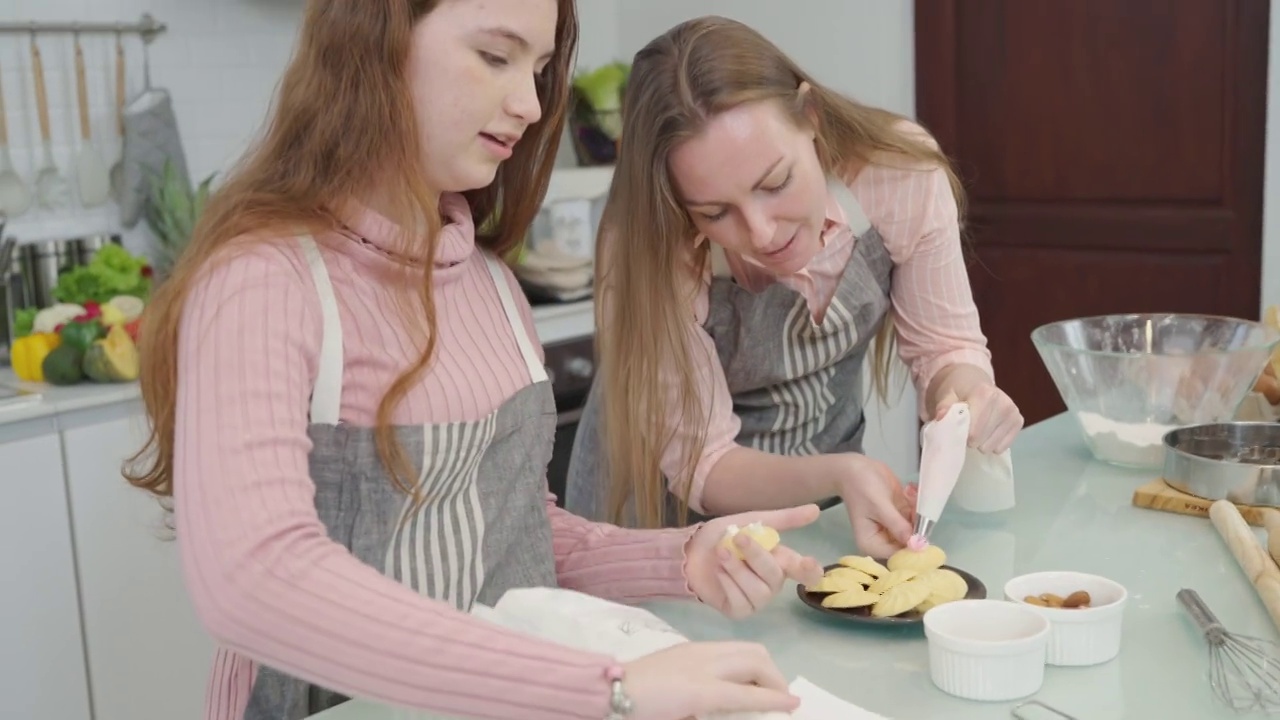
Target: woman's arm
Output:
{"points": [[263, 575], [939, 334]]}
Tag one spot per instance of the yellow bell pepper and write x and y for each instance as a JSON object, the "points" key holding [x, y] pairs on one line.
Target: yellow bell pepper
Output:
{"points": [[28, 353]]}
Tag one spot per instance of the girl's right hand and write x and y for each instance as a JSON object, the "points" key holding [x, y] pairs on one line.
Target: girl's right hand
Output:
{"points": [[699, 678]]}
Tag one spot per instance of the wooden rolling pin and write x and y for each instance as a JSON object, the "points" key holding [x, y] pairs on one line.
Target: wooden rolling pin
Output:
{"points": [[1271, 520], [1257, 565]]}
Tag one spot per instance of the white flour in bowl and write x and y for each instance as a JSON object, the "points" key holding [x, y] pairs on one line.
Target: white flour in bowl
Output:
{"points": [[1135, 444]]}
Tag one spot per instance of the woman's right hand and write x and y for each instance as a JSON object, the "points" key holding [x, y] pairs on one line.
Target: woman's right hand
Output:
{"points": [[699, 678], [878, 506]]}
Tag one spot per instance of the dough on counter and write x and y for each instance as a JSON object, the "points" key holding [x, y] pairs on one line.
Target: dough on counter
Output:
{"points": [[851, 599], [834, 581], [865, 564], [944, 585], [890, 580], [902, 597], [929, 558], [764, 535], [841, 579]]}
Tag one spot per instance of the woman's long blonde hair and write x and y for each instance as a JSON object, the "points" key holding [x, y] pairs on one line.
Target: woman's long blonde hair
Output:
{"points": [[344, 120], [647, 266]]}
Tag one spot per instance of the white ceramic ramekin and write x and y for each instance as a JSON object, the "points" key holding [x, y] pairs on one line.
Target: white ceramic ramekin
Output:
{"points": [[1078, 636], [988, 650]]}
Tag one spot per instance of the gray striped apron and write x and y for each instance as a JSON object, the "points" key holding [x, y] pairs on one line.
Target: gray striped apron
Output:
{"points": [[796, 384], [484, 527]]}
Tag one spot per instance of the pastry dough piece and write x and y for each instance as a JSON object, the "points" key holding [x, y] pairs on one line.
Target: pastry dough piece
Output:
{"points": [[833, 583], [850, 599], [764, 535], [851, 574], [929, 558], [945, 586], [901, 598], [865, 564], [891, 579]]}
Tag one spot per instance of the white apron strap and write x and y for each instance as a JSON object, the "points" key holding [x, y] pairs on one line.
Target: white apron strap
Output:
{"points": [[854, 216], [326, 396], [537, 372]]}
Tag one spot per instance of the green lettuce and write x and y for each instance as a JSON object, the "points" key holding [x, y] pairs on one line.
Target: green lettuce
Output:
{"points": [[113, 271]]}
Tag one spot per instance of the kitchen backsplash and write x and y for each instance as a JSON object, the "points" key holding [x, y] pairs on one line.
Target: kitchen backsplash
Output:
{"points": [[219, 59]]}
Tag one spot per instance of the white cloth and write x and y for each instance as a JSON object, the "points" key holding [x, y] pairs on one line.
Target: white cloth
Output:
{"points": [[985, 483], [590, 623]]}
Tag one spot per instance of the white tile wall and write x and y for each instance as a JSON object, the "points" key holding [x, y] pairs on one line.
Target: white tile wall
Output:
{"points": [[220, 60]]}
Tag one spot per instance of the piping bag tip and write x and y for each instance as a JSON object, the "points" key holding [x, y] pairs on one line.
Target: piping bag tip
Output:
{"points": [[920, 537]]}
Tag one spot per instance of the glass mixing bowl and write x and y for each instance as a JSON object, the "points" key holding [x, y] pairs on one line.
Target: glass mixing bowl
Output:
{"points": [[1129, 379]]}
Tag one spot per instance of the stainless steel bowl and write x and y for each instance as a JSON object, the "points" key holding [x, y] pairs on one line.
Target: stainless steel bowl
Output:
{"points": [[1236, 461]]}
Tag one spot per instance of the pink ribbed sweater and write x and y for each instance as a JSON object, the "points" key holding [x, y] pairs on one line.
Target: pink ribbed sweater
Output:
{"points": [[264, 577]]}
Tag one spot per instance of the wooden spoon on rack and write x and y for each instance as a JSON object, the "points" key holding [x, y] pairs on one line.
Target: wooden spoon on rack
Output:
{"points": [[91, 172]]}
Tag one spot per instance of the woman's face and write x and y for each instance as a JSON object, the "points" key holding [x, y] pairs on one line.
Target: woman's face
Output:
{"points": [[473, 76], [752, 183]]}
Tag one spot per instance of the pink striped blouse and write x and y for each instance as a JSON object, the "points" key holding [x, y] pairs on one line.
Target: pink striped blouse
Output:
{"points": [[937, 321], [263, 575]]}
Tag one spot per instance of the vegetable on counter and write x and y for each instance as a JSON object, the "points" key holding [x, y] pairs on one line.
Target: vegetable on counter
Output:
{"points": [[62, 366], [112, 271], [48, 319], [113, 358], [28, 353], [81, 332]]}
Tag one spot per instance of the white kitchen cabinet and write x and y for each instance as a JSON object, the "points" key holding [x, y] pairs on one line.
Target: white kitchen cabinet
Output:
{"points": [[42, 664], [148, 656]]}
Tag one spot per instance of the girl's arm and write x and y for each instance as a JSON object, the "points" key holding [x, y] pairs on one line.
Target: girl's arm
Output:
{"points": [[263, 575]]}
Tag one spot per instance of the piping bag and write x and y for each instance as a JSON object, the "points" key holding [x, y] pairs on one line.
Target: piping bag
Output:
{"points": [[944, 444]]}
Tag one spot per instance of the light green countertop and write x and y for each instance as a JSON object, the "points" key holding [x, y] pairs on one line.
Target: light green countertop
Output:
{"points": [[1073, 513]]}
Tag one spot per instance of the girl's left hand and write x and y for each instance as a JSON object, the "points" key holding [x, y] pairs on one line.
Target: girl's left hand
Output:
{"points": [[738, 588], [994, 421]]}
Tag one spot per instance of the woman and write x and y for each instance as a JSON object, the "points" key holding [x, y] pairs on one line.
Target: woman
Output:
{"points": [[351, 414], [836, 223]]}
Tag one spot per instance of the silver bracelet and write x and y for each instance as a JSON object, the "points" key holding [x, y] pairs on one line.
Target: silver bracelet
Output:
{"points": [[620, 705]]}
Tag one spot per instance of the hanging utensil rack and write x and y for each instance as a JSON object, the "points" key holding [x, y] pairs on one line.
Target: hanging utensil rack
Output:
{"points": [[148, 27]]}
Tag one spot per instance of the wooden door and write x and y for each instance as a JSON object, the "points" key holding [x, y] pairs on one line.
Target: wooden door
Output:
{"points": [[1113, 155]]}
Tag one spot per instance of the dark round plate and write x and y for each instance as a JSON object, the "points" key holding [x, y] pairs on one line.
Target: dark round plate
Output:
{"points": [[977, 591]]}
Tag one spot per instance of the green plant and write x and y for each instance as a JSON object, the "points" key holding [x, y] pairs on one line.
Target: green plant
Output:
{"points": [[172, 211], [598, 97]]}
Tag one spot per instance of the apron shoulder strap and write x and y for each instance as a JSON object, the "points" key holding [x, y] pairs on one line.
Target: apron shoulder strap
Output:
{"points": [[537, 372], [854, 215], [326, 396]]}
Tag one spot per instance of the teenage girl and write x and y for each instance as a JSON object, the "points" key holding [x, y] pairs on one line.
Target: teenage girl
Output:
{"points": [[352, 417]]}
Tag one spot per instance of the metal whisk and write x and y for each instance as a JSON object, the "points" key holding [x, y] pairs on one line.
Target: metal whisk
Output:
{"points": [[1244, 671]]}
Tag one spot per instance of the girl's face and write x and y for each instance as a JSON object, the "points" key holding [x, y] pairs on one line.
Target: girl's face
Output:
{"points": [[752, 183], [473, 73]]}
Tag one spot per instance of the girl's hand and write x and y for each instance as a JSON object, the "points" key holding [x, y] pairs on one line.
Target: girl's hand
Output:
{"points": [[739, 587], [695, 679]]}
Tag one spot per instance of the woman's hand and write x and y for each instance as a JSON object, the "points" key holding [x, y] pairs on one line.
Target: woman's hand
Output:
{"points": [[994, 420], [695, 679], [878, 507], [739, 587]]}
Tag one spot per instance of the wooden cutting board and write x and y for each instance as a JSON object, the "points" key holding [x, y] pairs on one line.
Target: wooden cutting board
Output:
{"points": [[1157, 495]]}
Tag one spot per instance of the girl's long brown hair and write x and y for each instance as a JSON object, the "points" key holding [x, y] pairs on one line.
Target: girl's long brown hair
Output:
{"points": [[343, 120], [647, 266]]}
